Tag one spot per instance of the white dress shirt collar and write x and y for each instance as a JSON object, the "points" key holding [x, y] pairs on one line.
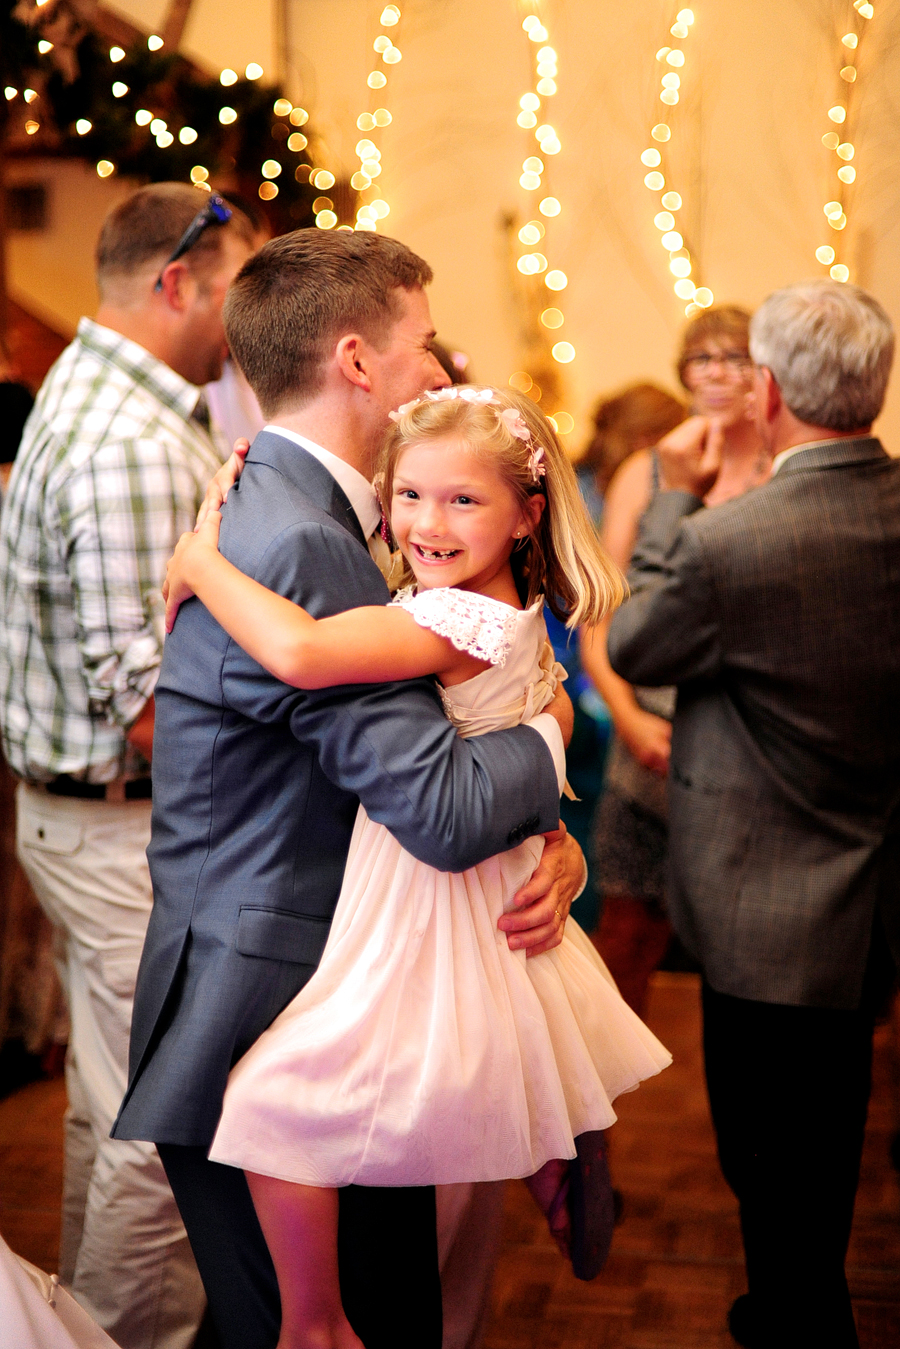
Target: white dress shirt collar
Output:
{"points": [[357, 489], [795, 449]]}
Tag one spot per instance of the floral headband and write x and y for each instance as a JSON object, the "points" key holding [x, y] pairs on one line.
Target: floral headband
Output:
{"points": [[513, 421]]}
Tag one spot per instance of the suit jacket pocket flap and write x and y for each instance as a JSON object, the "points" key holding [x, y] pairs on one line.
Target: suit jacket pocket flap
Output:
{"points": [[277, 934]]}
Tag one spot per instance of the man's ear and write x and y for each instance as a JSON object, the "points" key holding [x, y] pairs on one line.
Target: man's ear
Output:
{"points": [[177, 285], [772, 401], [351, 355]]}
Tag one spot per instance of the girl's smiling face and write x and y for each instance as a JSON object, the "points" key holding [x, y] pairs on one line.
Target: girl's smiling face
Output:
{"points": [[456, 519]]}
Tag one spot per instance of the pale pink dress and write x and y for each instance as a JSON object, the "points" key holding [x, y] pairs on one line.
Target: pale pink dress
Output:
{"points": [[424, 1051]]}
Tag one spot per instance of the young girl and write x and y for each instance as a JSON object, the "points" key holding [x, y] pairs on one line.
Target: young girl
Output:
{"points": [[423, 1050]]}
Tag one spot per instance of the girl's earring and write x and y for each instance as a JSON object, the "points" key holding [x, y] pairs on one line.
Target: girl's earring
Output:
{"points": [[522, 542]]}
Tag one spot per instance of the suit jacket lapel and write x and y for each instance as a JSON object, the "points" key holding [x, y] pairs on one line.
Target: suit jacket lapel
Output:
{"points": [[305, 473]]}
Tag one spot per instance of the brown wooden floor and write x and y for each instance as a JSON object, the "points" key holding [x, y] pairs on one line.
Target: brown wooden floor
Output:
{"points": [[676, 1264]]}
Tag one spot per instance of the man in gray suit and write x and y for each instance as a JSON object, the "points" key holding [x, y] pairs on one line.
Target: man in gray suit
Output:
{"points": [[777, 615], [256, 785]]}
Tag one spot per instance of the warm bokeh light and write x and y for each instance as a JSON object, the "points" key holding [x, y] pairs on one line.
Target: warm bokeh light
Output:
{"points": [[552, 318], [154, 42], [199, 174], [268, 191], [299, 117], [556, 280], [83, 126], [282, 107], [322, 179], [549, 206], [297, 141], [564, 422], [839, 272], [837, 114], [119, 90], [106, 168], [228, 77], [664, 220], [326, 220], [521, 381], [847, 173], [531, 233], [652, 159], [563, 352], [672, 240], [227, 116], [825, 255], [254, 71], [703, 297], [187, 135], [377, 79], [271, 168], [655, 181]]}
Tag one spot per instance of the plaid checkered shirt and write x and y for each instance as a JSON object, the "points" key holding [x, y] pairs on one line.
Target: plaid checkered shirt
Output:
{"points": [[111, 470]]}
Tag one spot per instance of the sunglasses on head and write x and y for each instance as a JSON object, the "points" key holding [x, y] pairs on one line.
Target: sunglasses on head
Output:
{"points": [[215, 212]]}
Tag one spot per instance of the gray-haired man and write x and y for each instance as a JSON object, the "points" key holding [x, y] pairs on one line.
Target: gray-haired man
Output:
{"points": [[776, 616]]}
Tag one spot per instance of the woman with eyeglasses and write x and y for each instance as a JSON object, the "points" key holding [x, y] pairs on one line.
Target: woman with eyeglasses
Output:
{"points": [[630, 828]]}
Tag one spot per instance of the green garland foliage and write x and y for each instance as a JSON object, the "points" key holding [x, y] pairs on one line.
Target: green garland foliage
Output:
{"points": [[176, 93]]}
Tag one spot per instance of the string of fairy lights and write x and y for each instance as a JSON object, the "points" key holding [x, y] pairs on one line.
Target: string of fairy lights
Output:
{"points": [[681, 264], [837, 140], [165, 136], [371, 205], [531, 262]]}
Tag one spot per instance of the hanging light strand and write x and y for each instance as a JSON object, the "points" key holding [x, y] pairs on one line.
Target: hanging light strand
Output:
{"points": [[372, 206], [838, 140], [532, 117], [682, 265]]}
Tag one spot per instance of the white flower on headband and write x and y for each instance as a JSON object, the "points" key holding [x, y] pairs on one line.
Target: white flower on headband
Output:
{"points": [[515, 423], [536, 465], [463, 391]]}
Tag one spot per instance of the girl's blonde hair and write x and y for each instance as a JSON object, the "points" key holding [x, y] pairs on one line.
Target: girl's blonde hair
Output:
{"points": [[562, 559]]}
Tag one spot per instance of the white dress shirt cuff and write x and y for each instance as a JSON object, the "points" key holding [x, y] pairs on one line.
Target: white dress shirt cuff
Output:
{"points": [[547, 728]]}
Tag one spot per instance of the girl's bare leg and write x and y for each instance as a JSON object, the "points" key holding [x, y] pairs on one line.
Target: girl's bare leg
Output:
{"points": [[299, 1223], [549, 1190]]}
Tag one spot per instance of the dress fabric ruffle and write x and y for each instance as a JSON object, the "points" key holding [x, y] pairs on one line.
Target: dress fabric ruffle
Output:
{"points": [[424, 1051]]}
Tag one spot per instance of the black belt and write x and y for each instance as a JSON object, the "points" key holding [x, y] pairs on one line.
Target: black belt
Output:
{"points": [[138, 789]]}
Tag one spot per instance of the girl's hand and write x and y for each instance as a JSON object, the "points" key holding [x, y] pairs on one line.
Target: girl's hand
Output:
{"points": [[223, 482], [177, 587], [649, 738]]}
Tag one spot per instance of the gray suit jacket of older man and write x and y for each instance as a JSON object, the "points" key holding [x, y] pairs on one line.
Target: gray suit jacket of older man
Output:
{"points": [[255, 791], [777, 615]]}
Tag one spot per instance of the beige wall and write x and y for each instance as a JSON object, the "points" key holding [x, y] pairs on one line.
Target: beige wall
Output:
{"points": [[749, 161]]}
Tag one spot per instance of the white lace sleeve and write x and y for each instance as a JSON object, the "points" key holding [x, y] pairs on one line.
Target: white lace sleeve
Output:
{"points": [[483, 627]]}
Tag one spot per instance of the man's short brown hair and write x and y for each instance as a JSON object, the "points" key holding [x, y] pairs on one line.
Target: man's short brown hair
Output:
{"points": [[294, 300], [146, 227]]}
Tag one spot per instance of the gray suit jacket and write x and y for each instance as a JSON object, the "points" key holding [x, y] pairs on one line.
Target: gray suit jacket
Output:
{"points": [[255, 790], [778, 617]]}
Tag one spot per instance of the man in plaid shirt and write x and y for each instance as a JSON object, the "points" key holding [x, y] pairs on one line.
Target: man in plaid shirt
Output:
{"points": [[113, 465]]}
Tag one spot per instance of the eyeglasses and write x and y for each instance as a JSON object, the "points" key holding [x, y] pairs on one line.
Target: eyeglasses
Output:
{"points": [[215, 212], [735, 362]]}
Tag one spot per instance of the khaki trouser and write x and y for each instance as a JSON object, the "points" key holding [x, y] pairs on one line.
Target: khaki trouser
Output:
{"points": [[124, 1251]]}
